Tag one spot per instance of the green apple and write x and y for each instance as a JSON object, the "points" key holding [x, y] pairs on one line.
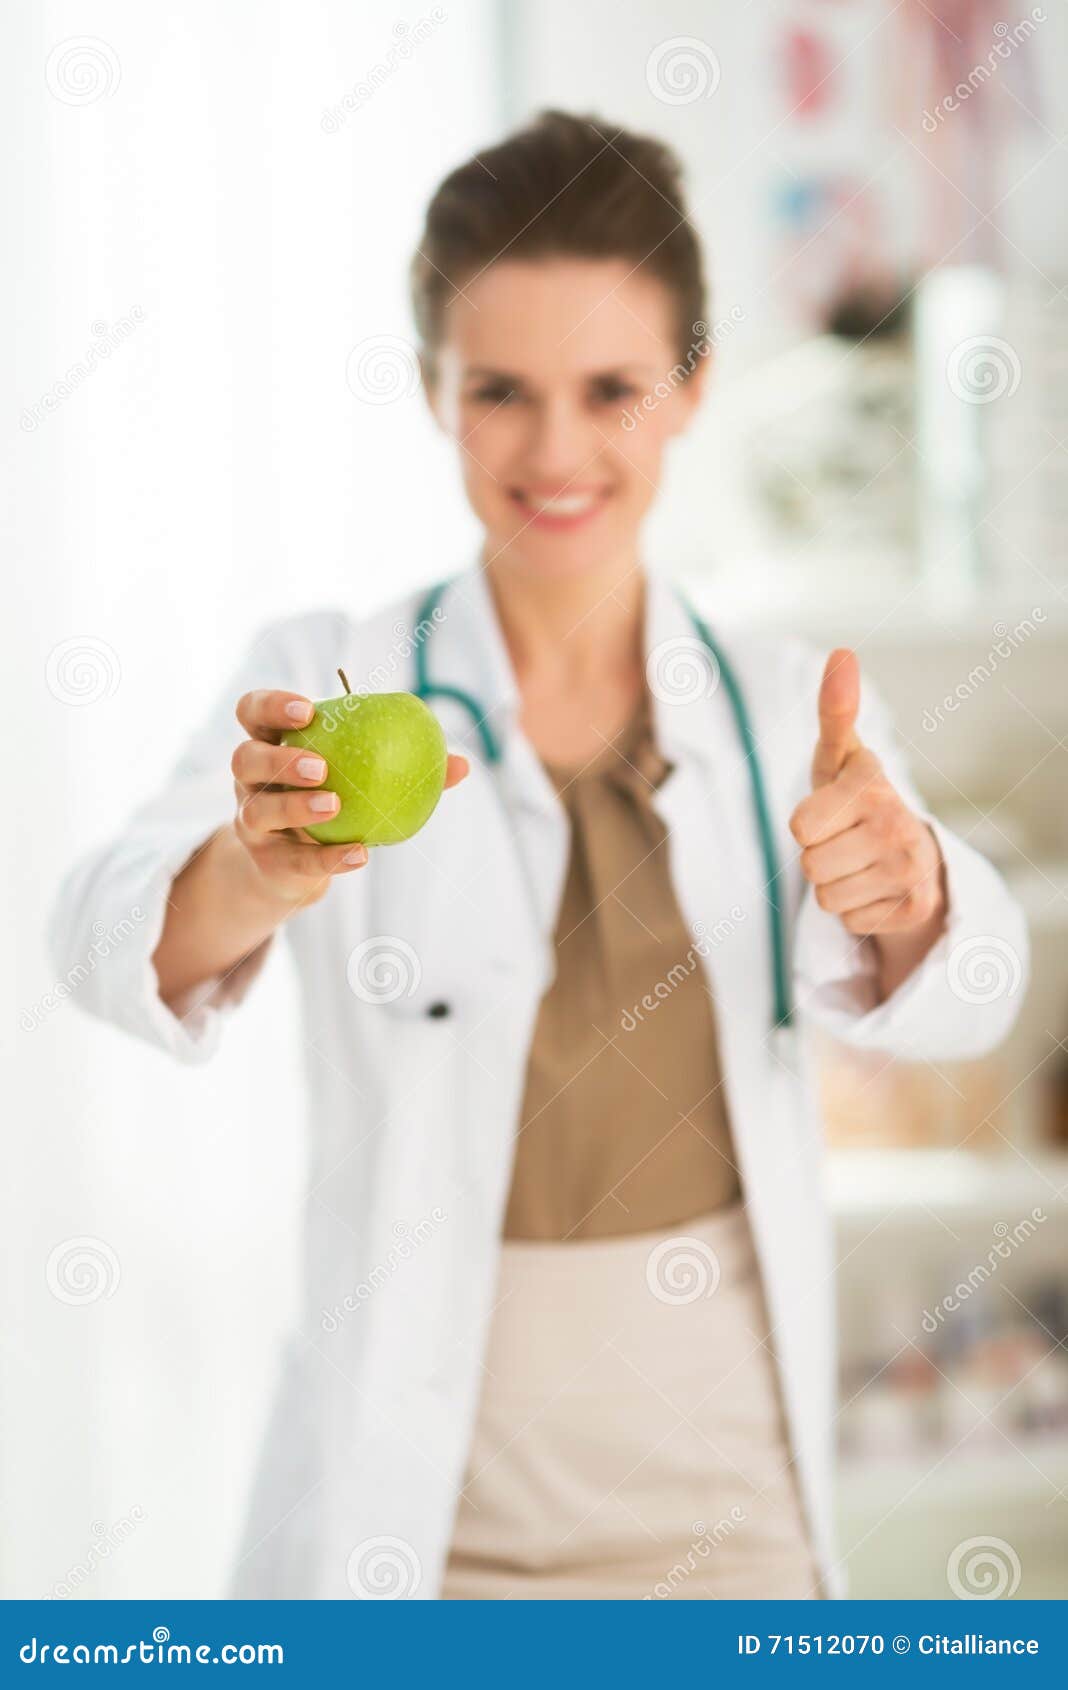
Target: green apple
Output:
{"points": [[386, 759]]}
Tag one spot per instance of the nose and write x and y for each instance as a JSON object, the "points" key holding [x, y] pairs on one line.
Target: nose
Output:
{"points": [[563, 440]]}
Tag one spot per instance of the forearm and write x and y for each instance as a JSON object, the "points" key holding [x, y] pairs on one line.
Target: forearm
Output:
{"points": [[218, 910]]}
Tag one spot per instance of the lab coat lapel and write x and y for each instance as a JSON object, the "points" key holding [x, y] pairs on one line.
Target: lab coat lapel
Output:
{"points": [[704, 802], [525, 885], [706, 806]]}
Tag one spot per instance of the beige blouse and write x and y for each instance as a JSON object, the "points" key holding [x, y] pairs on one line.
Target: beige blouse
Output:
{"points": [[624, 1126]]}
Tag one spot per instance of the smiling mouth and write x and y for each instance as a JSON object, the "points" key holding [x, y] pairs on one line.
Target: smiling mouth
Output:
{"points": [[559, 509]]}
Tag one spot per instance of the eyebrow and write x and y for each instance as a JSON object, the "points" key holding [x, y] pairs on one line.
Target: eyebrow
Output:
{"points": [[481, 371]]}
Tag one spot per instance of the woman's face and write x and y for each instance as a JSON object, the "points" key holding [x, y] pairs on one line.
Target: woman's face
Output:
{"points": [[548, 380]]}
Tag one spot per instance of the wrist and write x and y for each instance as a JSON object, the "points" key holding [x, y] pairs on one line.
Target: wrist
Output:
{"points": [[900, 953], [257, 898]]}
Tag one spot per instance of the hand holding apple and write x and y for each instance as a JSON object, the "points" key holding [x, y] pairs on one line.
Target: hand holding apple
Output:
{"points": [[386, 760], [280, 798], [872, 860]]}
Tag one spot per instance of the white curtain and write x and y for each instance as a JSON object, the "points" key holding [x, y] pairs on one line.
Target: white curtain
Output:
{"points": [[210, 210]]}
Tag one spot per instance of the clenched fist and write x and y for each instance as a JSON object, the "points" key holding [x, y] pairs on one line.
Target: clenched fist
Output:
{"points": [[872, 861]]}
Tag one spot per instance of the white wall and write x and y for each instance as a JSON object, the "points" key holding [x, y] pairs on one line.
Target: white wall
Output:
{"points": [[214, 471]]}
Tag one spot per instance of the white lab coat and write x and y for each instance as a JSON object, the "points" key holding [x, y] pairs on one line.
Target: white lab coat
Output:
{"points": [[413, 1114]]}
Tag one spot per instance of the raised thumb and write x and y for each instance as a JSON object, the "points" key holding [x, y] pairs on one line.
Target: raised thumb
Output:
{"points": [[839, 702]]}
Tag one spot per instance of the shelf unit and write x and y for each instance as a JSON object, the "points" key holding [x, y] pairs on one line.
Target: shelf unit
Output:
{"points": [[1032, 1473], [903, 1514], [870, 1186]]}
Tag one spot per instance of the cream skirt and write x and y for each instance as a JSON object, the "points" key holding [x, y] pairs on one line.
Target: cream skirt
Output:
{"points": [[630, 1440]]}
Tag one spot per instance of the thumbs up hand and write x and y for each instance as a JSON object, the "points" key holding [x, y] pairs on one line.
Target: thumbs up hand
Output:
{"points": [[872, 860]]}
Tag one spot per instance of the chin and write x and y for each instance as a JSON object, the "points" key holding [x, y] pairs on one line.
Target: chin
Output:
{"points": [[562, 556], [550, 563]]}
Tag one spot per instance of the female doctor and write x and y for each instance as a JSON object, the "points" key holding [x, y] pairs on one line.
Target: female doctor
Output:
{"points": [[567, 1310]]}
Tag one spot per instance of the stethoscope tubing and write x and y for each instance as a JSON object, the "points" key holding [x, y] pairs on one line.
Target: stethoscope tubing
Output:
{"points": [[426, 689]]}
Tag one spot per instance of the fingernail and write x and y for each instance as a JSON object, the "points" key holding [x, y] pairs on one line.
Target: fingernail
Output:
{"points": [[311, 768], [326, 802], [359, 855], [299, 710]]}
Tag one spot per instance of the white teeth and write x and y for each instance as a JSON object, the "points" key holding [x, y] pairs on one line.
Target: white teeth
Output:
{"points": [[573, 505]]}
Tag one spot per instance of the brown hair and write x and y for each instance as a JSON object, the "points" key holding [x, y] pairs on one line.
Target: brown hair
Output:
{"points": [[561, 186]]}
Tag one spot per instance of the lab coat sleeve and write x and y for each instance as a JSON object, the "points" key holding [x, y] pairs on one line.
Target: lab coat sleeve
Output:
{"points": [[110, 911], [963, 998]]}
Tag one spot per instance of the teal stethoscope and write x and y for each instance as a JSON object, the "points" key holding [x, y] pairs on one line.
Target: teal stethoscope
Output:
{"points": [[425, 688]]}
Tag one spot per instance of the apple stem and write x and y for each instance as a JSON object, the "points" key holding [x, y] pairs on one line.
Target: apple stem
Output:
{"points": [[344, 681]]}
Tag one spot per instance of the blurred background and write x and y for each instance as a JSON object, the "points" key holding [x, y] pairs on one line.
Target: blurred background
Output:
{"points": [[212, 421]]}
